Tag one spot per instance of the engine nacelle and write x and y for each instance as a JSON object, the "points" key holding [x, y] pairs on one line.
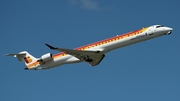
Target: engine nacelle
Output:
{"points": [[46, 57]]}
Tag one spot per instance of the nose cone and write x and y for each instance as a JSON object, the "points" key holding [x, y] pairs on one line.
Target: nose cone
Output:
{"points": [[168, 30]]}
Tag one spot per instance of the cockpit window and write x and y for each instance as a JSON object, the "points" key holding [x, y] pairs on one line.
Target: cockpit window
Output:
{"points": [[159, 26]]}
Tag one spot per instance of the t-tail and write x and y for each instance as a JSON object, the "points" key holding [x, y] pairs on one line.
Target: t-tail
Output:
{"points": [[24, 56]]}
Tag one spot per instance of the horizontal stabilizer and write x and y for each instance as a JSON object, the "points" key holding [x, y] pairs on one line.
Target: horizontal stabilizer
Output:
{"points": [[24, 56], [15, 55], [18, 55]]}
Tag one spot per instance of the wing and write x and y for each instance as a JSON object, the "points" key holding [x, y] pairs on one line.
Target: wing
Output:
{"points": [[92, 57]]}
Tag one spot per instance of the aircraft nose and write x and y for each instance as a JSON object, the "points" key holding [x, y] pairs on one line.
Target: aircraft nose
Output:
{"points": [[168, 30]]}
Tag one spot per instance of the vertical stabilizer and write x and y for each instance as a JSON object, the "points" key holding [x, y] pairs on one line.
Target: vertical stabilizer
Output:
{"points": [[24, 56]]}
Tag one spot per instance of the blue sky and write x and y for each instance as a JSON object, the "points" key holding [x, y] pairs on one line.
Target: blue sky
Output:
{"points": [[147, 71]]}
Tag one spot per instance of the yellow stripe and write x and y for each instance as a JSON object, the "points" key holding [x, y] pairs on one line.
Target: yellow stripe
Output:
{"points": [[119, 37]]}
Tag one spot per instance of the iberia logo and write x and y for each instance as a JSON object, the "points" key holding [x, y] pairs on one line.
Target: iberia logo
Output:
{"points": [[28, 59]]}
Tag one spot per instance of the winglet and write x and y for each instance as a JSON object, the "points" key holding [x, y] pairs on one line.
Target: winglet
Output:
{"points": [[51, 47]]}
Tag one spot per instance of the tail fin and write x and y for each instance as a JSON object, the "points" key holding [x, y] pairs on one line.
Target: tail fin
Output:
{"points": [[24, 56]]}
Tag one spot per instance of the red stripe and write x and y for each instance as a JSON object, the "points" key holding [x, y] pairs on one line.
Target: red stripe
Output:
{"points": [[102, 41]]}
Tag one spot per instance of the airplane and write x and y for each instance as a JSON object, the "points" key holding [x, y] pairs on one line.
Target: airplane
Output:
{"points": [[92, 53]]}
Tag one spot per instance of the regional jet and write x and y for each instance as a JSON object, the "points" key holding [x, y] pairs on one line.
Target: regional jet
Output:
{"points": [[92, 53]]}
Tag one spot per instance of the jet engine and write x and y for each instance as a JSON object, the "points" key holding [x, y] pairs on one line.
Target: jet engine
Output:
{"points": [[46, 57]]}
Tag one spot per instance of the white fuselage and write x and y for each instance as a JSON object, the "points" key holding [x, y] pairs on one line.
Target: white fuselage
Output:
{"points": [[107, 45]]}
